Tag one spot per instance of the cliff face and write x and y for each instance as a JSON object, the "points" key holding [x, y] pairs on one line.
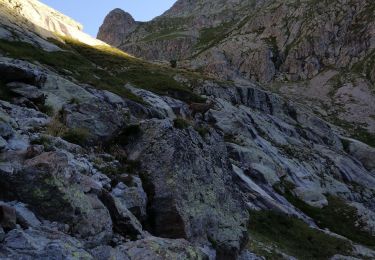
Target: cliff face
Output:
{"points": [[317, 52], [117, 26], [39, 17], [107, 156]]}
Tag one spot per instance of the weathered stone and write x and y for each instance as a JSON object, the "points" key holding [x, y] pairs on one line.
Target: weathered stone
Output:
{"points": [[8, 218], [3, 144], [109, 253], [2, 234], [158, 248], [132, 196], [28, 91], [34, 150], [52, 186], [25, 217], [189, 197], [100, 120], [6, 130], [46, 243], [124, 222]]}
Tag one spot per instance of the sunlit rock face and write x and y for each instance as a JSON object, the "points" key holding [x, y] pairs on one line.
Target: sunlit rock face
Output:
{"points": [[117, 25], [45, 20]]}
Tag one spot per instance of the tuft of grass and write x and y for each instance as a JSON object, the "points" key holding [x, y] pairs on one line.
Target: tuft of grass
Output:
{"points": [[355, 131], [293, 236], [210, 36], [180, 123], [202, 130], [47, 109], [42, 140], [78, 136]]}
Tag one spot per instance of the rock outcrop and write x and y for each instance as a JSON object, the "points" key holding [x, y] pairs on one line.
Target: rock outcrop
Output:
{"points": [[44, 20], [316, 52], [117, 25], [106, 156]]}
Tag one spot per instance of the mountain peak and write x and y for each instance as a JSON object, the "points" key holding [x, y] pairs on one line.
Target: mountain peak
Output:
{"points": [[116, 23]]}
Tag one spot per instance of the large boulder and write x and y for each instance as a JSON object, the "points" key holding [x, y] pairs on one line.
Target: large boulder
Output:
{"points": [[100, 119], [56, 187], [41, 243], [189, 185]]}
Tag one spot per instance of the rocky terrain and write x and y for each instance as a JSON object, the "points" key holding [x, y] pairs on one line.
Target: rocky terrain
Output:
{"points": [[106, 156], [316, 52]]}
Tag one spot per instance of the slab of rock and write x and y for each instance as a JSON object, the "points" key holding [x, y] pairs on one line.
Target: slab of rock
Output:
{"points": [[46, 243], [132, 196], [159, 249], [25, 217], [189, 186], [28, 91], [124, 222], [101, 120]]}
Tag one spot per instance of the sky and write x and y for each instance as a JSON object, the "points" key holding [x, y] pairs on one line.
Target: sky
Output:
{"points": [[91, 13]]}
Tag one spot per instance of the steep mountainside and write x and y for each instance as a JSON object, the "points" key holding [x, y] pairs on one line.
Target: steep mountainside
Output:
{"points": [[107, 156], [318, 52]]}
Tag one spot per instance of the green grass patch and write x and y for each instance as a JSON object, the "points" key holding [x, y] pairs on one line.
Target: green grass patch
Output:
{"points": [[355, 131], [293, 237], [104, 68], [337, 216], [180, 123], [210, 36], [78, 136]]}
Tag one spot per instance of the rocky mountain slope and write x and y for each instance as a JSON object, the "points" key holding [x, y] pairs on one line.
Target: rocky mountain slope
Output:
{"points": [[318, 52], [106, 156]]}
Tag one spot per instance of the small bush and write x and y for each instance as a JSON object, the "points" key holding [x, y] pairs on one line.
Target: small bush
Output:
{"points": [[55, 127], [180, 123], [78, 136], [47, 109], [173, 63], [203, 131]]}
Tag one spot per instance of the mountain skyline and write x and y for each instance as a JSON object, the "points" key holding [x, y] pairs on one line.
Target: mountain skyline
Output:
{"points": [[93, 14]]}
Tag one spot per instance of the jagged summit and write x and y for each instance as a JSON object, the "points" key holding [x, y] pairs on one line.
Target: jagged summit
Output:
{"points": [[117, 25]]}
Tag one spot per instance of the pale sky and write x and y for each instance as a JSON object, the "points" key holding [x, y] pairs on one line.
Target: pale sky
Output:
{"points": [[91, 13]]}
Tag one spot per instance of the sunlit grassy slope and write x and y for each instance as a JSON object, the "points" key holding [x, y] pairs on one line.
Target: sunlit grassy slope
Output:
{"points": [[105, 68]]}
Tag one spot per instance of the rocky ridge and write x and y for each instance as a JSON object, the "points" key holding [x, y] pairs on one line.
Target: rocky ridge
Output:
{"points": [[321, 52], [105, 156]]}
